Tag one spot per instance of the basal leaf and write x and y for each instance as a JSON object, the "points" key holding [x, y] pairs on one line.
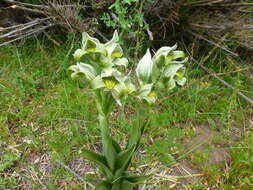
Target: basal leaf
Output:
{"points": [[98, 159], [110, 152], [123, 159], [135, 179], [116, 146]]}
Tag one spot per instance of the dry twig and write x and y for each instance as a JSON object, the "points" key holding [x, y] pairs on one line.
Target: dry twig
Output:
{"points": [[74, 173]]}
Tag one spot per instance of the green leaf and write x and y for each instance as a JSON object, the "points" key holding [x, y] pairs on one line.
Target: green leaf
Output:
{"points": [[104, 185], [135, 179], [123, 159], [110, 152], [116, 146], [95, 157], [136, 134], [100, 160]]}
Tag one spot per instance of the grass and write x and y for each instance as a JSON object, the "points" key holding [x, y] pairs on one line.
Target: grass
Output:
{"points": [[46, 116]]}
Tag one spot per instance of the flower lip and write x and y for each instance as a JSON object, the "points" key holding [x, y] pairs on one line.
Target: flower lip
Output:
{"points": [[90, 46], [110, 82], [152, 94]]}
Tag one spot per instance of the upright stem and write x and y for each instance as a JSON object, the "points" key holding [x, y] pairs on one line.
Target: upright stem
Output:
{"points": [[104, 108], [102, 118], [104, 126]]}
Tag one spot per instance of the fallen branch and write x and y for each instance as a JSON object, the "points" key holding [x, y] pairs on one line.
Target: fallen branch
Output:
{"points": [[23, 25], [12, 2], [27, 35], [36, 11], [74, 173], [20, 29]]}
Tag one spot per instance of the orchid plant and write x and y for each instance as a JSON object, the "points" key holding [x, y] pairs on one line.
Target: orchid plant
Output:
{"points": [[106, 71]]}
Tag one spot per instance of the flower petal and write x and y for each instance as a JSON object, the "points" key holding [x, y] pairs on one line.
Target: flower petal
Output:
{"points": [[116, 52], [176, 57], [114, 39], [150, 100], [144, 91], [91, 45], [160, 56], [87, 70], [112, 72], [144, 68], [78, 54], [122, 90], [181, 82], [171, 70], [75, 70], [170, 84], [164, 51], [121, 62], [97, 82]]}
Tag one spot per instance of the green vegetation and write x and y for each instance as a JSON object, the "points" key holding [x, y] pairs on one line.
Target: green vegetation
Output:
{"points": [[196, 137], [47, 117]]}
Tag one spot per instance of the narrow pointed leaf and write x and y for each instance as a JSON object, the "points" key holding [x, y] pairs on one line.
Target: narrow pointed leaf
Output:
{"points": [[110, 152], [135, 179], [116, 146], [127, 185], [93, 156], [124, 157], [117, 185], [136, 133], [98, 159]]}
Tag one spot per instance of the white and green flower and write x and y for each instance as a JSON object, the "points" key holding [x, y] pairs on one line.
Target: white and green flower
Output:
{"points": [[86, 69], [146, 92], [102, 69], [90, 44], [161, 55], [122, 90], [174, 74], [169, 55]]}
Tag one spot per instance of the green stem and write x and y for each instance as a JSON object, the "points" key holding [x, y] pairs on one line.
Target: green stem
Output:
{"points": [[102, 117], [104, 105]]}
